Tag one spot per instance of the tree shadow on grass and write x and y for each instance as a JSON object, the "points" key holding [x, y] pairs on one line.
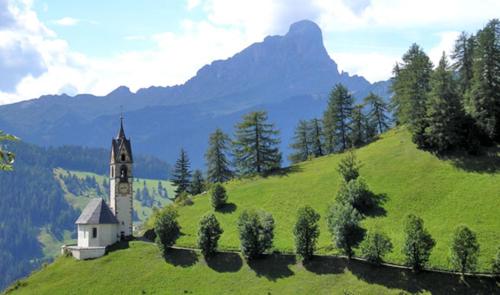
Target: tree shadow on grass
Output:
{"points": [[377, 209], [181, 257], [117, 246], [435, 283], [225, 262], [283, 171], [227, 208], [273, 266], [487, 161], [322, 265]]}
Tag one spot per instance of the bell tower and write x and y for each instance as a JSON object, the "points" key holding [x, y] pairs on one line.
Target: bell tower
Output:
{"points": [[120, 182]]}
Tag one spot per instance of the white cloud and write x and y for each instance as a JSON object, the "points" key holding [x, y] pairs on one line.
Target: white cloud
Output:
{"points": [[373, 66], [66, 21], [446, 45]]}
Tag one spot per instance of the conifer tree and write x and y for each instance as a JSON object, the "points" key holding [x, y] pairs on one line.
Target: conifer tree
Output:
{"points": [[306, 232], [358, 128], [343, 224], [197, 184], [375, 246], [349, 166], [418, 243], [256, 144], [337, 118], [483, 98], [378, 112], [463, 57], [316, 138], [6, 157], [411, 85], [464, 249], [301, 143], [218, 165], [181, 176], [209, 233], [444, 112]]}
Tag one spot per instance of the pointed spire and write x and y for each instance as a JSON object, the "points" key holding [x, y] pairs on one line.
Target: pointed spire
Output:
{"points": [[121, 133]]}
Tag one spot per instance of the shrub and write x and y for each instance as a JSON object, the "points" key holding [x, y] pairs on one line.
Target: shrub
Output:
{"points": [[306, 232], [183, 199], [418, 243], [256, 229], [209, 234], [219, 196], [375, 246], [349, 167], [464, 249], [167, 228], [343, 223]]}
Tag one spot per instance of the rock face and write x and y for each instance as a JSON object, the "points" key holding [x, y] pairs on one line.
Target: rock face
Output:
{"points": [[288, 75]]}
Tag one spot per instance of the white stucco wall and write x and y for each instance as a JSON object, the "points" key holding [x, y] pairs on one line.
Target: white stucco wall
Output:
{"points": [[106, 235], [87, 253]]}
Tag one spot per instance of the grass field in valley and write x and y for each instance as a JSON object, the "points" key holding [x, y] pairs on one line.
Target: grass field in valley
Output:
{"points": [[140, 269], [445, 193]]}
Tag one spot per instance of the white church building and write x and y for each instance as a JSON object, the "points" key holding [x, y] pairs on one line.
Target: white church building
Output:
{"points": [[101, 225]]}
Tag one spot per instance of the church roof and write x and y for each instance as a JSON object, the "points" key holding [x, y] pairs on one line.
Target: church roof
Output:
{"points": [[97, 212]]}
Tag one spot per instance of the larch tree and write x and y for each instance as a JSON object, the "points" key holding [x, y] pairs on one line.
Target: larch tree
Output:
{"points": [[463, 58], [482, 100], [358, 128], [301, 144], [181, 176], [218, 164], [256, 145], [316, 137], [377, 115], [337, 118], [411, 86], [197, 185], [444, 111]]}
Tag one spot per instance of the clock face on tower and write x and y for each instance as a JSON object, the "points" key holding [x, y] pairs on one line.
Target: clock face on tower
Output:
{"points": [[123, 188]]}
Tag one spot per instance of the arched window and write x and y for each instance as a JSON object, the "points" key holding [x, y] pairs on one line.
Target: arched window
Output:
{"points": [[123, 174]]}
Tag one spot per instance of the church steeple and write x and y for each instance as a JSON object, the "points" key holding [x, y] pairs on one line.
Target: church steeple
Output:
{"points": [[121, 133]]}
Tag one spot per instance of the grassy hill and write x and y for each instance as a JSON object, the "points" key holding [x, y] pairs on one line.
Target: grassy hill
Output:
{"points": [[140, 269], [445, 193]]}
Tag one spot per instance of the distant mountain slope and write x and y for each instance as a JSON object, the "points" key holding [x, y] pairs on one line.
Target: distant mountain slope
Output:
{"points": [[268, 74]]}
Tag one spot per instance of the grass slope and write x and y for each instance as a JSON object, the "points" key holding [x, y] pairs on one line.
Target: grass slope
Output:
{"points": [[140, 269], [444, 193]]}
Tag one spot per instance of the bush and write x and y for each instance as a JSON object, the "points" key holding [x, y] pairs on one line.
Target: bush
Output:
{"points": [[495, 267], [343, 223], [464, 249], [167, 228], [418, 243], [375, 246], [219, 196], [209, 234], [349, 167], [256, 229], [306, 232], [356, 193], [183, 199]]}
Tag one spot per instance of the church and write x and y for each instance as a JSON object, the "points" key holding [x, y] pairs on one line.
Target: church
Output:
{"points": [[100, 224]]}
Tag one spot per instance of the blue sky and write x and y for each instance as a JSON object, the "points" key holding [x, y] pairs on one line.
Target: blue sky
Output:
{"points": [[50, 47]]}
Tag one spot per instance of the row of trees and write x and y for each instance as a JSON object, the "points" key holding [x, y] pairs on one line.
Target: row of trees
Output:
{"points": [[344, 125], [453, 105]]}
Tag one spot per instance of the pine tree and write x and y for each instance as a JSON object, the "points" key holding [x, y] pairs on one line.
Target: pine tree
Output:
{"points": [[444, 112], [316, 137], [411, 86], [218, 165], [483, 98], [463, 56], [256, 144], [301, 143], [181, 175], [358, 130], [197, 184], [337, 118], [378, 110]]}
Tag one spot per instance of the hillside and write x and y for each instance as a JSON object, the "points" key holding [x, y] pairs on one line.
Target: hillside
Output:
{"points": [[138, 268], [285, 75], [445, 193]]}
